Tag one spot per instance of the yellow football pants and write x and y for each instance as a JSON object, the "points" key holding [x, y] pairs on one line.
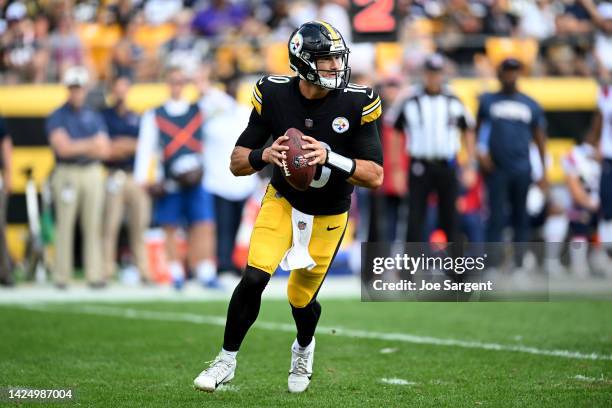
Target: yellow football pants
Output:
{"points": [[272, 237]]}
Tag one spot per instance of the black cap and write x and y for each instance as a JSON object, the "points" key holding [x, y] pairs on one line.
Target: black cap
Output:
{"points": [[434, 62], [510, 64]]}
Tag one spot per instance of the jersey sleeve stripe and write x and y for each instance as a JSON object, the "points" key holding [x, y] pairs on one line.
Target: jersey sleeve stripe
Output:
{"points": [[371, 117], [257, 97], [257, 91], [256, 102], [371, 109], [365, 108]]}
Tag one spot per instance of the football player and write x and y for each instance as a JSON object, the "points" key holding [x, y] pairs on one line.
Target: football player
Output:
{"points": [[338, 121]]}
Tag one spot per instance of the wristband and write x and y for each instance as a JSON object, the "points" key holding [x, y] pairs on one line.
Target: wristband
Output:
{"points": [[255, 159], [339, 162]]}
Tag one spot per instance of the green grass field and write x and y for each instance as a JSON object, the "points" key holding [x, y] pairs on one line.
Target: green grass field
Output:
{"points": [[147, 354]]}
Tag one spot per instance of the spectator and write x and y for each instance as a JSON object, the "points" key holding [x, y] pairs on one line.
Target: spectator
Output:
{"points": [[6, 273], [161, 11], [538, 19], [184, 49], [174, 130], [508, 121], [128, 56], [219, 17], [122, 13], [386, 201], [499, 22], [65, 46], [79, 141], [226, 120], [23, 55], [123, 195]]}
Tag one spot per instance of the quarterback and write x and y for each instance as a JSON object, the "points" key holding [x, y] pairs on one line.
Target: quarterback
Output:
{"points": [[338, 120]]}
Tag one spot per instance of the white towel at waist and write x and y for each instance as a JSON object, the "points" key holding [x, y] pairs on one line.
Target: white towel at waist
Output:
{"points": [[297, 256]]}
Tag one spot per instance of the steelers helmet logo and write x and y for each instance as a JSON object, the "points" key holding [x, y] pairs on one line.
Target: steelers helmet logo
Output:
{"points": [[296, 43], [340, 124]]}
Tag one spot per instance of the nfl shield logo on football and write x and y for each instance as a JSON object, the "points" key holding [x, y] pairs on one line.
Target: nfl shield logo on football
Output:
{"points": [[301, 225], [295, 45], [340, 124]]}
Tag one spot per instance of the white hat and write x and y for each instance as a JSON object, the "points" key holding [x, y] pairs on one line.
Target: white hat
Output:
{"points": [[16, 11], [76, 76]]}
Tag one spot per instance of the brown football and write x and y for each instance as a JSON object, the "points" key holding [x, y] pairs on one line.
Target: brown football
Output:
{"points": [[295, 168]]}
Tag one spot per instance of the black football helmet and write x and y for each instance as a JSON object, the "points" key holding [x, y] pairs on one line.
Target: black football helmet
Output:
{"points": [[314, 40]]}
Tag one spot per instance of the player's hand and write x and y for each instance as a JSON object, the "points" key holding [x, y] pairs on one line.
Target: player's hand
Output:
{"points": [[276, 152], [319, 152]]}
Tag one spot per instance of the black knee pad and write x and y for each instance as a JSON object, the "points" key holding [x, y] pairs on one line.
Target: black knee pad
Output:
{"points": [[254, 279]]}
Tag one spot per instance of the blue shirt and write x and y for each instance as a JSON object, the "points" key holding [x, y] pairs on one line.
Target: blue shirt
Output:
{"points": [[507, 123], [118, 125], [81, 124]]}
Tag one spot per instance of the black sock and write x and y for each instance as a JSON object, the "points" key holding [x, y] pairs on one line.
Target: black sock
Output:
{"points": [[306, 319], [244, 307]]}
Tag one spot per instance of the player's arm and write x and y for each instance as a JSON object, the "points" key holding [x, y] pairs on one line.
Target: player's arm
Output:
{"points": [[251, 153]]}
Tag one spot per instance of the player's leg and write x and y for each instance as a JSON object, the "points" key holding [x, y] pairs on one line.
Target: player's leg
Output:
{"points": [[270, 240], [302, 290]]}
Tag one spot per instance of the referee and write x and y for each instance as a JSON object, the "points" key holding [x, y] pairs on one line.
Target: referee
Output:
{"points": [[433, 119]]}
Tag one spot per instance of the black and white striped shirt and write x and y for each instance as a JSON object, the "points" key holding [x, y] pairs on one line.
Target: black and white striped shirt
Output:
{"points": [[432, 123]]}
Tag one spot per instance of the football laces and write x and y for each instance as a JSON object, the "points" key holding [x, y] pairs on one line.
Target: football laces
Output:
{"points": [[285, 168]]}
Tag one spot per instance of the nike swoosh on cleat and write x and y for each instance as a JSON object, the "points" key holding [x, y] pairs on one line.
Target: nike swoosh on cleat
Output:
{"points": [[332, 228]]}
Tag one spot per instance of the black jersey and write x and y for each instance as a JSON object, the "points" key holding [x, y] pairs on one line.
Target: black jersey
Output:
{"points": [[344, 120]]}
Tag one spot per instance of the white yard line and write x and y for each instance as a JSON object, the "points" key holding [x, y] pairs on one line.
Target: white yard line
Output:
{"points": [[396, 381], [128, 313]]}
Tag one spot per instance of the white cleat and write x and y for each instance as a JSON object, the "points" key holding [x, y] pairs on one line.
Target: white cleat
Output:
{"points": [[300, 371], [220, 371]]}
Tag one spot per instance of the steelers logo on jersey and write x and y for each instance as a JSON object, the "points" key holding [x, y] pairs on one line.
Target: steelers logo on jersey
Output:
{"points": [[295, 45], [340, 124]]}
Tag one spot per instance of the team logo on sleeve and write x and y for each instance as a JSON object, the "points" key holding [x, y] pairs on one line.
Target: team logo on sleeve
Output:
{"points": [[295, 45], [340, 124]]}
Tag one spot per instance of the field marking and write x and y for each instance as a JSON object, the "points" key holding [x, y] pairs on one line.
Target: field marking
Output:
{"points": [[128, 313], [581, 377], [396, 381]]}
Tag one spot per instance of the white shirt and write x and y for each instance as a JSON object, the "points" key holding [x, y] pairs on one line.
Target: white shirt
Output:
{"points": [[432, 124], [604, 103], [221, 132]]}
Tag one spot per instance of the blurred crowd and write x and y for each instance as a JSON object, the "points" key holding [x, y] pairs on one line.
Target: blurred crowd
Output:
{"points": [[102, 177], [138, 38]]}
